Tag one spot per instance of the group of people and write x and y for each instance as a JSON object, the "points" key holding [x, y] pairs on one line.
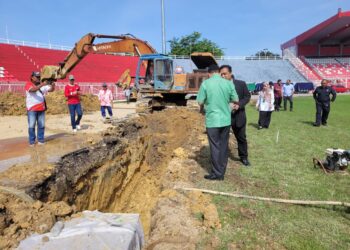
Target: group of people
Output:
{"points": [[270, 99], [222, 99], [36, 105]]}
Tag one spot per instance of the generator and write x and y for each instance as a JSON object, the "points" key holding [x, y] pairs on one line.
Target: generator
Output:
{"points": [[336, 159]]}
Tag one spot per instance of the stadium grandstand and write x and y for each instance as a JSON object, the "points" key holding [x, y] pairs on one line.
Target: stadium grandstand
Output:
{"points": [[323, 51], [320, 52]]}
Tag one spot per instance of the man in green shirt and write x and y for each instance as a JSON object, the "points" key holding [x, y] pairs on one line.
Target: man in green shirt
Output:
{"points": [[215, 96]]}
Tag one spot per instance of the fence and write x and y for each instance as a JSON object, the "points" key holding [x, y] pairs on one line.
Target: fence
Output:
{"points": [[85, 88], [35, 44]]}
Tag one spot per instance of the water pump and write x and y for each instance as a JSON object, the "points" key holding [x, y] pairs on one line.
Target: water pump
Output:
{"points": [[336, 159]]}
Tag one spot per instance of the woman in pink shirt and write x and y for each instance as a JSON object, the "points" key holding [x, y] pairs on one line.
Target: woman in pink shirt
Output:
{"points": [[105, 96]]}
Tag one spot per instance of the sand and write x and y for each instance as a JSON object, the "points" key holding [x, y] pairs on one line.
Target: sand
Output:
{"points": [[17, 126]]}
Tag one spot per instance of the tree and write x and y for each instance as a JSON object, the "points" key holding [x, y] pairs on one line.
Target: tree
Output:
{"points": [[266, 53], [193, 43]]}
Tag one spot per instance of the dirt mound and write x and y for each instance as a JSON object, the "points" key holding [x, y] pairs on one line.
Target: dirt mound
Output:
{"points": [[12, 104], [15, 103]]}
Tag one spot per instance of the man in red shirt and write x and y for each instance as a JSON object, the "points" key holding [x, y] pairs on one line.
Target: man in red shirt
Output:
{"points": [[36, 106], [72, 92], [277, 89]]}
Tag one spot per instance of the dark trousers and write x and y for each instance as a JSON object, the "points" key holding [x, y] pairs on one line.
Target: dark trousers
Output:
{"points": [[75, 109], [278, 101], [322, 111], [264, 118], [103, 111], [241, 138], [218, 143], [290, 99]]}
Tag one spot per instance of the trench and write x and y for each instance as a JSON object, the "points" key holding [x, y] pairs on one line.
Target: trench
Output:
{"points": [[133, 170]]}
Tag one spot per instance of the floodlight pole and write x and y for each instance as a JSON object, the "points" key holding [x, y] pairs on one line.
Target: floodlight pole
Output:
{"points": [[163, 29]]}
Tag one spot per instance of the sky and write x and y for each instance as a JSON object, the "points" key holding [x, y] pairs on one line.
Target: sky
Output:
{"points": [[239, 27]]}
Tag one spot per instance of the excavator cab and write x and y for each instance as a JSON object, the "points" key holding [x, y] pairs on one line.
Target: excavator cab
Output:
{"points": [[158, 74]]}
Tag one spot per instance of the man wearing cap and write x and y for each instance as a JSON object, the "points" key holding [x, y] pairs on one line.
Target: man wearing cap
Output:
{"points": [[238, 115], [72, 92], [214, 97], [105, 96], [36, 106]]}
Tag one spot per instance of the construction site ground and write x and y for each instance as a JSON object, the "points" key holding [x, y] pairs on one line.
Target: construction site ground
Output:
{"points": [[137, 164], [129, 165]]}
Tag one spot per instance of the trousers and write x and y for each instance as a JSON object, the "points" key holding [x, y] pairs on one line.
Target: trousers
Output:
{"points": [[218, 143], [264, 118], [75, 109], [36, 117], [290, 99], [322, 112]]}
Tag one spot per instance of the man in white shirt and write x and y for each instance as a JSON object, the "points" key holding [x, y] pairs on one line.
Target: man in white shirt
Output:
{"points": [[288, 92], [36, 106]]}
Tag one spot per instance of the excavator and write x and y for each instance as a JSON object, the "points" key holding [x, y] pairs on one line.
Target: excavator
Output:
{"points": [[159, 83], [164, 86]]}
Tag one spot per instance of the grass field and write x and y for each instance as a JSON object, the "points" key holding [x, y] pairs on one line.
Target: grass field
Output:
{"points": [[283, 169]]}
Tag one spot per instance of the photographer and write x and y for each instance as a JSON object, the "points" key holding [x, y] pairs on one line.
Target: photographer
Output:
{"points": [[36, 106]]}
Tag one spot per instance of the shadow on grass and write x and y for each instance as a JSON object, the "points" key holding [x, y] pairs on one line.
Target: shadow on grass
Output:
{"points": [[254, 125], [310, 123], [203, 157]]}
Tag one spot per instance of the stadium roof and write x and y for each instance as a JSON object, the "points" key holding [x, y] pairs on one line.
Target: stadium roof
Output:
{"points": [[335, 30]]}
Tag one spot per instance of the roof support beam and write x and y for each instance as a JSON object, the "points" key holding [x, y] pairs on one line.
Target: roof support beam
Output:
{"points": [[345, 40], [333, 34]]}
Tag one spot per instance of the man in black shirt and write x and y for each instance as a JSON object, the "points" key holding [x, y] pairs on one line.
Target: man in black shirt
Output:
{"points": [[238, 116], [321, 96]]}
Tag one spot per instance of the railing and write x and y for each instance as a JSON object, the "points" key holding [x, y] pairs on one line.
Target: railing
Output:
{"points": [[233, 57], [85, 88], [35, 44], [301, 67]]}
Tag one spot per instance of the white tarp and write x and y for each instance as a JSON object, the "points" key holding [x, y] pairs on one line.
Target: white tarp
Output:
{"points": [[93, 230]]}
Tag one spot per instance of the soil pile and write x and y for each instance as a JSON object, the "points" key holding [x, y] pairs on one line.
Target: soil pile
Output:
{"points": [[15, 103], [12, 104]]}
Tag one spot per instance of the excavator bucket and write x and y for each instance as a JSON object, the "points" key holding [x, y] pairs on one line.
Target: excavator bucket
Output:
{"points": [[49, 72]]}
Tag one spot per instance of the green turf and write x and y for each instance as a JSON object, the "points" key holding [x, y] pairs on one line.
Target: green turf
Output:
{"points": [[283, 169]]}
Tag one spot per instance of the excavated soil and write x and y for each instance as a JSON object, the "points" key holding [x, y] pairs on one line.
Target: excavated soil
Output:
{"points": [[15, 103], [134, 168]]}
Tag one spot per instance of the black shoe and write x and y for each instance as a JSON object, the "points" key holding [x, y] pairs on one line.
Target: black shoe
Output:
{"points": [[324, 123], [245, 162], [316, 124], [213, 177]]}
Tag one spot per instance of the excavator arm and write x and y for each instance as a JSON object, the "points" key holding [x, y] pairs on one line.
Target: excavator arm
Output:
{"points": [[124, 80], [124, 44]]}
